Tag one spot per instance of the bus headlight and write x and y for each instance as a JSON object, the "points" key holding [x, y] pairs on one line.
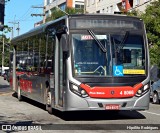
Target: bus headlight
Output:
{"points": [[142, 90], [78, 90]]}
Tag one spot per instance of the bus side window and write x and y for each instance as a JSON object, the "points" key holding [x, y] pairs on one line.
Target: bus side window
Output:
{"points": [[50, 53], [42, 50], [36, 54], [30, 56]]}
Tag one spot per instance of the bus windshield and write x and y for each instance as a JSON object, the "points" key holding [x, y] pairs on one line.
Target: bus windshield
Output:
{"points": [[111, 54]]}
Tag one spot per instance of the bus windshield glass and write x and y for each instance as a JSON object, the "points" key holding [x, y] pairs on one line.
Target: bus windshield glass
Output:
{"points": [[108, 54]]}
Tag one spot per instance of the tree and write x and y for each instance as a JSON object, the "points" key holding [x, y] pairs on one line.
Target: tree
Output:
{"points": [[151, 18], [5, 29], [7, 46], [57, 13], [6, 50]]}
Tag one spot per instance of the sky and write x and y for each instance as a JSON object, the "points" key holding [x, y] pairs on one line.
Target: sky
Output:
{"points": [[20, 11]]}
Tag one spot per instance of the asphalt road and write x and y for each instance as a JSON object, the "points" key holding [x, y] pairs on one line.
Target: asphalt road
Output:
{"points": [[32, 115]]}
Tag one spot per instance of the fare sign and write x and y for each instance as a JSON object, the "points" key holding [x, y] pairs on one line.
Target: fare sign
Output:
{"points": [[86, 37]]}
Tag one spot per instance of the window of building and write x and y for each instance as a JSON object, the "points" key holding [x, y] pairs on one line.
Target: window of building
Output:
{"points": [[62, 6], [48, 2], [103, 10], [137, 2], [77, 6], [107, 9], [98, 11]]}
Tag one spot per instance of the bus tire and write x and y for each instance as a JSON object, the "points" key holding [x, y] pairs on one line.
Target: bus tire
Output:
{"points": [[19, 96], [155, 98], [48, 101]]}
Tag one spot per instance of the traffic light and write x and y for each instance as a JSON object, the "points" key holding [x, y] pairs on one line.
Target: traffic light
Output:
{"points": [[2, 3]]}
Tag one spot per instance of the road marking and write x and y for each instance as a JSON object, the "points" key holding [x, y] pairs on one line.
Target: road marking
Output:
{"points": [[151, 113]]}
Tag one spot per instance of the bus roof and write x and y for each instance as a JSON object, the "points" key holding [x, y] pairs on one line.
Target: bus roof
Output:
{"points": [[42, 28], [36, 30], [105, 15]]}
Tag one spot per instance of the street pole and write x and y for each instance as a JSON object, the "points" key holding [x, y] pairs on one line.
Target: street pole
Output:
{"points": [[84, 6], [3, 54], [12, 34], [18, 29], [14, 69]]}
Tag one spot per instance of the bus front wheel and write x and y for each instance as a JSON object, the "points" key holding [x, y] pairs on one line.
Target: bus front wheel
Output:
{"points": [[155, 98]]}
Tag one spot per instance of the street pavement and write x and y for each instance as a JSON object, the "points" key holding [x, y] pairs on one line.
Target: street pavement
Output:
{"points": [[30, 113]]}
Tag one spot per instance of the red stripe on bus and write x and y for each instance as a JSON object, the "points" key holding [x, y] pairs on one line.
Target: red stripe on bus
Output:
{"points": [[111, 92], [26, 85]]}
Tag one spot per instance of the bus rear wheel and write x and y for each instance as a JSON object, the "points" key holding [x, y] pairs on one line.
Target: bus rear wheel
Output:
{"points": [[49, 102], [19, 96]]}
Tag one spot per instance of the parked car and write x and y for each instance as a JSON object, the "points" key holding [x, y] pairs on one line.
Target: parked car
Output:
{"points": [[155, 92]]}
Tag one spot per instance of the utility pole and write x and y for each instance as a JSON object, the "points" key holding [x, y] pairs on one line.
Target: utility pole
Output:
{"points": [[18, 29], [38, 14], [3, 53], [43, 7], [12, 32]]}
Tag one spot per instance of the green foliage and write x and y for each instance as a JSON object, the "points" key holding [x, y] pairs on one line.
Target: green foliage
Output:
{"points": [[6, 50], [133, 13], [7, 29], [57, 13], [151, 18]]}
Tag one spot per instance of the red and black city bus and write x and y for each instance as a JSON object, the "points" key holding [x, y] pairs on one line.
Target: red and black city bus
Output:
{"points": [[84, 62]]}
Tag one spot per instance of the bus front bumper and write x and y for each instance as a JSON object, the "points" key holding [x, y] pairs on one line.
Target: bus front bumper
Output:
{"points": [[134, 103]]}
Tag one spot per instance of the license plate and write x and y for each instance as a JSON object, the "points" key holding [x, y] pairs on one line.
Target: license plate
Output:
{"points": [[112, 107]]}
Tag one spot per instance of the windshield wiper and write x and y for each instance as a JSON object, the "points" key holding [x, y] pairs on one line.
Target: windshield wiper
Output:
{"points": [[121, 44], [98, 42]]}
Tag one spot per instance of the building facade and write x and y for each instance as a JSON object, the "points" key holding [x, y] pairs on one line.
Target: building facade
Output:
{"points": [[141, 5], [96, 6], [62, 4], [103, 6], [115, 6]]}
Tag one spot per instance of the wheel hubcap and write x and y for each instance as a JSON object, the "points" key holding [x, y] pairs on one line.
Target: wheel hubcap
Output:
{"points": [[154, 98]]}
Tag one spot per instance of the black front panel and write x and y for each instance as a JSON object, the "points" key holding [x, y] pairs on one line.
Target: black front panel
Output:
{"points": [[112, 81]]}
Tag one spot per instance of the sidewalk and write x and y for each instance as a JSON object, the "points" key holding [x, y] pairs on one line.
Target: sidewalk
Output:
{"points": [[4, 86]]}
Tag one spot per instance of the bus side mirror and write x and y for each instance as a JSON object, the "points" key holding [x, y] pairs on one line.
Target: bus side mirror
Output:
{"points": [[152, 82], [64, 44]]}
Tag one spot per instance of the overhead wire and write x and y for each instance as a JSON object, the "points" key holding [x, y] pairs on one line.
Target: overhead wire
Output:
{"points": [[27, 15]]}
